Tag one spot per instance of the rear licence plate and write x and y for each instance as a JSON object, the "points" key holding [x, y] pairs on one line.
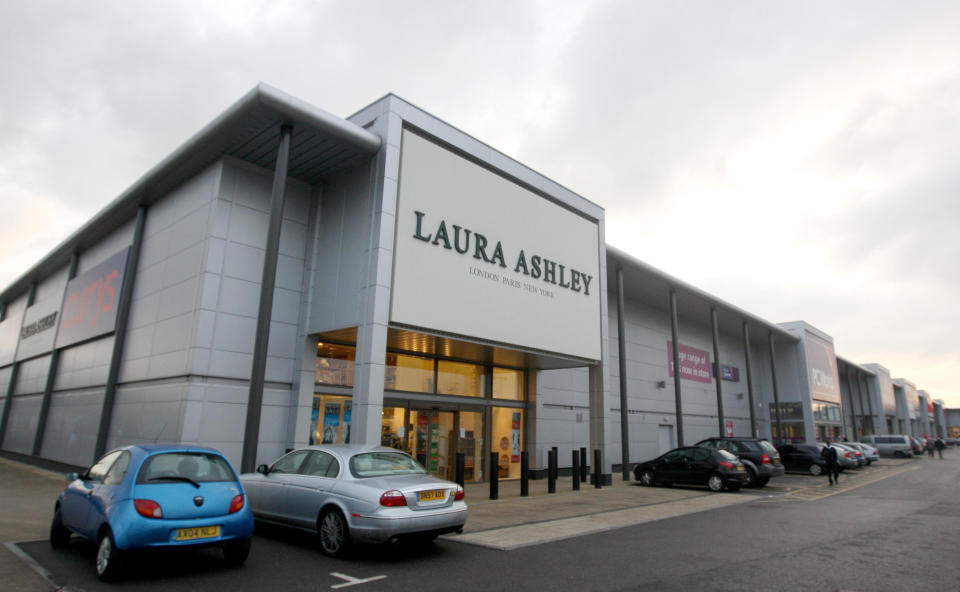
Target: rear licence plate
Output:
{"points": [[198, 532], [740, 468], [433, 495]]}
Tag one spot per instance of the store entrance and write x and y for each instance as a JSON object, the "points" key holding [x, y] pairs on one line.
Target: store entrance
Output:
{"points": [[435, 436]]}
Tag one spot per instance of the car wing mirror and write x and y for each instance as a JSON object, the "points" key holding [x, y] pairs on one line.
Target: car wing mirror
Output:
{"points": [[262, 469], [71, 477]]}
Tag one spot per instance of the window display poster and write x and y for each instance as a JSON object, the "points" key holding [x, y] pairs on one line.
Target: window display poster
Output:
{"points": [[314, 420], [331, 422], [347, 409], [515, 449], [729, 425]]}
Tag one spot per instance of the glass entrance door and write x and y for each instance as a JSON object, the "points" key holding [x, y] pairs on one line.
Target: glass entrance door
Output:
{"points": [[431, 441]]}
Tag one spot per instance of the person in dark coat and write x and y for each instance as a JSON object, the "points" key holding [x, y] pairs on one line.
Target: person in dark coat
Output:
{"points": [[940, 446], [829, 454]]}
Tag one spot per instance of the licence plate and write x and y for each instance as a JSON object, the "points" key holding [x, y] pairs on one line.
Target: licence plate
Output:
{"points": [[433, 495], [740, 468], [198, 532]]}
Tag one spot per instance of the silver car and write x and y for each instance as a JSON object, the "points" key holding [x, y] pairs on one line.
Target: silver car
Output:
{"points": [[355, 494], [870, 453], [846, 457]]}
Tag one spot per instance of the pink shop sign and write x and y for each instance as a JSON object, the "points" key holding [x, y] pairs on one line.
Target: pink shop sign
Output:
{"points": [[694, 363]]}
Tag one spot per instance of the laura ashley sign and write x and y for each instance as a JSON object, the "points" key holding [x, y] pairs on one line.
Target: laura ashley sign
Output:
{"points": [[539, 267], [477, 255]]}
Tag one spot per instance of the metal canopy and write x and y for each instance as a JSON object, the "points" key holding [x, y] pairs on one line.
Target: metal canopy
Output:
{"points": [[249, 130]]}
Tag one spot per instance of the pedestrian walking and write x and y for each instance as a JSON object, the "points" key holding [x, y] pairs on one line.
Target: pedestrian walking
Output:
{"points": [[929, 446], [940, 446], [829, 454]]}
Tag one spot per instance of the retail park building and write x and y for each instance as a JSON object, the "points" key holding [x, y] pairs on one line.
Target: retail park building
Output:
{"points": [[289, 277]]}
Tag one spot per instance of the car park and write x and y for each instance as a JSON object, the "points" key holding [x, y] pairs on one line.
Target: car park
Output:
{"points": [[154, 496], [869, 452], [759, 457], [355, 494], [890, 444], [694, 465]]}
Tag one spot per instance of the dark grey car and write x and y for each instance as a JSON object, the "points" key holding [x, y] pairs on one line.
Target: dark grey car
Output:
{"points": [[352, 494]]}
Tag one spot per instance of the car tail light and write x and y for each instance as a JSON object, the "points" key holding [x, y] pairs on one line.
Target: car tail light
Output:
{"points": [[236, 504], [765, 459], [393, 498], [148, 508], [846, 454], [726, 464], [460, 494]]}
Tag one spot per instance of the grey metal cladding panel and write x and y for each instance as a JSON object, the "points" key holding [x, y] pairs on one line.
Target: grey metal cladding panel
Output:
{"points": [[72, 426], [243, 262], [248, 226], [106, 247], [83, 365], [32, 376], [239, 297], [148, 413], [22, 424], [234, 333], [52, 287]]}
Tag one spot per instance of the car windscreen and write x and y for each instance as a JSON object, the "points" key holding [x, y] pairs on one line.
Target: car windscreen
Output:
{"points": [[195, 467], [384, 464]]}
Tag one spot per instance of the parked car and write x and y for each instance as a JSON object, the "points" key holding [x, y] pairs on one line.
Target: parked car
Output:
{"points": [[869, 452], [759, 457], [154, 496], [694, 465], [847, 457], [355, 494], [802, 457], [917, 446], [890, 444]]}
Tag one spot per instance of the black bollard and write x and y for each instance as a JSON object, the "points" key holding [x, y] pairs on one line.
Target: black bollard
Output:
{"points": [[583, 465], [552, 470], [576, 471], [596, 469], [524, 474], [494, 475], [461, 461]]}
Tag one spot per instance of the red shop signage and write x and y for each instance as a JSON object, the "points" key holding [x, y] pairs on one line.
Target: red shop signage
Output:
{"points": [[90, 304]]}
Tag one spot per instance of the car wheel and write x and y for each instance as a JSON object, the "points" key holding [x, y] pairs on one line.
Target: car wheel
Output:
{"points": [[715, 482], [761, 481], [751, 479], [59, 534], [816, 469], [733, 487], [108, 558], [647, 479], [236, 552], [334, 533]]}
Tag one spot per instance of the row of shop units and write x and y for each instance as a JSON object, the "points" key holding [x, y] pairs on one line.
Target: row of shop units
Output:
{"points": [[289, 277]]}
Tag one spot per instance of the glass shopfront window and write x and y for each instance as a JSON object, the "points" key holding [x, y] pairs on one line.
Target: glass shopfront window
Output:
{"points": [[335, 363], [409, 373], [508, 384], [460, 378], [507, 440], [330, 419]]}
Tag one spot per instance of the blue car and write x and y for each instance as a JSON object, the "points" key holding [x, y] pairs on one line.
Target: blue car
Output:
{"points": [[153, 496]]}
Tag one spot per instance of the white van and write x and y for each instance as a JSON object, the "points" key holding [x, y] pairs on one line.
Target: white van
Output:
{"points": [[890, 445]]}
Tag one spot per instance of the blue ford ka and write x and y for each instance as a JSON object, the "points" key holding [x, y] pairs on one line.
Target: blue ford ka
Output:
{"points": [[142, 497]]}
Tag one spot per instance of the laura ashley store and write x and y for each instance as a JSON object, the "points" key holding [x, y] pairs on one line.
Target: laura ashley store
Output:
{"points": [[290, 277]]}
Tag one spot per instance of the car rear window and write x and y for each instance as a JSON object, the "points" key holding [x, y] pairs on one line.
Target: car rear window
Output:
{"points": [[727, 455], [382, 464], [750, 445], [767, 447], [199, 467]]}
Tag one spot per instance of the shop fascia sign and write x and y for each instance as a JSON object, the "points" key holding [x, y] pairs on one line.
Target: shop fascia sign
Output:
{"points": [[91, 301], [467, 242], [39, 329]]}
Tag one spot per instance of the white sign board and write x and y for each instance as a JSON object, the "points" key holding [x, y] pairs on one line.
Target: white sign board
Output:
{"points": [[479, 256]]}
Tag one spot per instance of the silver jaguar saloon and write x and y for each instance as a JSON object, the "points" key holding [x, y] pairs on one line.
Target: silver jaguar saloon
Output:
{"points": [[355, 494]]}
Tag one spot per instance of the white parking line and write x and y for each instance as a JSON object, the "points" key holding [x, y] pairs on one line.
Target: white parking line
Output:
{"points": [[352, 581]]}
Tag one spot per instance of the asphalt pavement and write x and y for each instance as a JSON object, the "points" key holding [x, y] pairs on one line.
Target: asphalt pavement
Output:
{"points": [[28, 564]]}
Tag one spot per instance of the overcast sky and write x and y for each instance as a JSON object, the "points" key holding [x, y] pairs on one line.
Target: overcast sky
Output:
{"points": [[799, 160]]}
